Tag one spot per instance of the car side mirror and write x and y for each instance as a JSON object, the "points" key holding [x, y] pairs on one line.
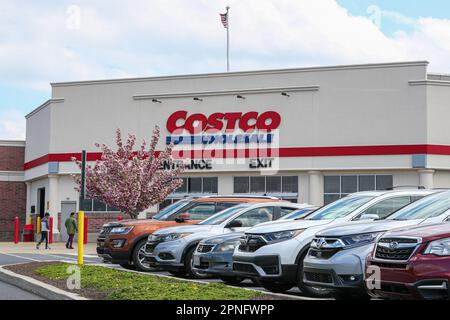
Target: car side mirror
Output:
{"points": [[369, 216], [234, 224], [182, 217]]}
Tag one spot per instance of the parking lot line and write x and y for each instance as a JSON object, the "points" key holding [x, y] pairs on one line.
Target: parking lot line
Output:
{"points": [[20, 257]]}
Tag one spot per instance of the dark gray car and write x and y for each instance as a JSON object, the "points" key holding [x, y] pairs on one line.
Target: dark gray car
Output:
{"points": [[214, 255]]}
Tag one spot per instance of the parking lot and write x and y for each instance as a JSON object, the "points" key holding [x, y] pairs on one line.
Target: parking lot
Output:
{"points": [[26, 253]]}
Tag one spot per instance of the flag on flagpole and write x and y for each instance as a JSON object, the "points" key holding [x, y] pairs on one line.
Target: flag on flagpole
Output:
{"points": [[224, 19]]}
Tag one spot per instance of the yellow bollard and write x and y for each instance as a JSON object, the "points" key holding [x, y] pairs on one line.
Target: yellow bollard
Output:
{"points": [[38, 222], [30, 220], [80, 237]]}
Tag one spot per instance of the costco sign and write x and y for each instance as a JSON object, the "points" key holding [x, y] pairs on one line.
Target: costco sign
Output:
{"points": [[228, 122]]}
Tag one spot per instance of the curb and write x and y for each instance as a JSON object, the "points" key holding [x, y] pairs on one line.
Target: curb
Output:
{"points": [[280, 295], [36, 287]]}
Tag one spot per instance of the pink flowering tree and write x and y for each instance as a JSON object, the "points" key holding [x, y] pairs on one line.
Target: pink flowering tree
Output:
{"points": [[131, 180]]}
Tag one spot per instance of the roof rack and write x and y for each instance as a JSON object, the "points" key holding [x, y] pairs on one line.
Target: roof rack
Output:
{"points": [[406, 187], [243, 196]]}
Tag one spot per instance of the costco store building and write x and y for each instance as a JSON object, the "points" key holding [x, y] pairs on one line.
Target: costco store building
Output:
{"points": [[306, 135]]}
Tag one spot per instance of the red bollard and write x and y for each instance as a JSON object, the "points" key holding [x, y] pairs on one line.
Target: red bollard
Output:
{"points": [[50, 233], [119, 218], [16, 230], [85, 235]]}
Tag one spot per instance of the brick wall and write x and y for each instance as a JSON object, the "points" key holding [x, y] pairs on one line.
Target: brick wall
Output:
{"points": [[12, 194], [12, 158], [12, 204]]}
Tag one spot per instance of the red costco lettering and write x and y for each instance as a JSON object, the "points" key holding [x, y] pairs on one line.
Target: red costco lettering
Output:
{"points": [[198, 122]]}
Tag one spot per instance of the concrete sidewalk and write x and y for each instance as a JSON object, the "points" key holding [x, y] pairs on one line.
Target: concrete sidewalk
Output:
{"points": [[56, 248]]}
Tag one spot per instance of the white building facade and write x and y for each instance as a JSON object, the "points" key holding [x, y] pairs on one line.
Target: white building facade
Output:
{"points": [[306, 135]]}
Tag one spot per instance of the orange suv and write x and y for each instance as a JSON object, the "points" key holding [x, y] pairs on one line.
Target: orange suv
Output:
{"points": [[124, 242]]}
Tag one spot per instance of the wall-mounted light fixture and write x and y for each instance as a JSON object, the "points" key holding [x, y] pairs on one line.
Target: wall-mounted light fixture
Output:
{"points": [[198, 99], [285, 94], [240, 97], [156, 101]]}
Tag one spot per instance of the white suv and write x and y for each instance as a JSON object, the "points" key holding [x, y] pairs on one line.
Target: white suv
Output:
{"points": [[273, 253], [173, 248]]}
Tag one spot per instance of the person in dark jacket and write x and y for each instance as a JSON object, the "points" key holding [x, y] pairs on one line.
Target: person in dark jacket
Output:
{"points": [[45, 229], [72, 228]]}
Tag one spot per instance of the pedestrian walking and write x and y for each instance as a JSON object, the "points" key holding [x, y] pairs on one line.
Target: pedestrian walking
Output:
{"points": [[72, 228], [45, 229]]}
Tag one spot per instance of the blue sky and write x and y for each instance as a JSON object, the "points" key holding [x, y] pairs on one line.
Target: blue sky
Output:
{"points": [[51, 41]]}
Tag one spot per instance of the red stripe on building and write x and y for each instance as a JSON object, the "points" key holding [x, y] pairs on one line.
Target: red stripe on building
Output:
{"points": [[282, 153]]}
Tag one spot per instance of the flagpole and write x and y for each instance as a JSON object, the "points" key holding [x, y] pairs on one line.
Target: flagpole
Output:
{"points": [[228, 40]]}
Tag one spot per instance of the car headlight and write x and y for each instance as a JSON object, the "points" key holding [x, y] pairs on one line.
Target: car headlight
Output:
{"points": [[121, 230], [438, 247], [228, 246], [153, 238], [174, 236], [282, 235], [360, 239]]}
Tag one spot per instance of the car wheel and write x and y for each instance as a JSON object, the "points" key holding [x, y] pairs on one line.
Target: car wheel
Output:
{"points": [[233, 281], [138, 257], [189, 264], [128, 266], [309, 290], [277, 287]]}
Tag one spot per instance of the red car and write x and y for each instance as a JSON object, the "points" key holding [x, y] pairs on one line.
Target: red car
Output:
{"points": [[413, 263]]}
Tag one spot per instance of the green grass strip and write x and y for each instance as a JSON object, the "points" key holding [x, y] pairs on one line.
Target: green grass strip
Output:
{"points": [[121, 285]]}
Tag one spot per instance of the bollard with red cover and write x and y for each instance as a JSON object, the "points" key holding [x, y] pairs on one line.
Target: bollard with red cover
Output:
{"points": [[85, 230], [120, 218], [50, 233], [16, 230]]}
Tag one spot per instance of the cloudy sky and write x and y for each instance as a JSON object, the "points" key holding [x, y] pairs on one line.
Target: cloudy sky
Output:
{"points": [[49, 41]]}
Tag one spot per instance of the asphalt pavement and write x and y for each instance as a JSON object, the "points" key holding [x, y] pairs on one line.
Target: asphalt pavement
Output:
{"points": [[7, 258], [9, 292]]}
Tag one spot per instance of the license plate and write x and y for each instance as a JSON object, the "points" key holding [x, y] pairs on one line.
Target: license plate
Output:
{"points": [[196, 261]]}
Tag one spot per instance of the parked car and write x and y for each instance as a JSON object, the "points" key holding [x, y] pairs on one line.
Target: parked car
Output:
{"points": [[299, 214], [123, 242], [173, 248], [414, 263], [337, 256], [274, 252], [214, 255]]}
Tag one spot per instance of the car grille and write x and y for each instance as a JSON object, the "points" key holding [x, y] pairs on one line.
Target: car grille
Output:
{"points": [[318, 277], [252, 243], [395, 249], [323, 253], [244, 268], [389, 265], [204, 248], [150, 246]]}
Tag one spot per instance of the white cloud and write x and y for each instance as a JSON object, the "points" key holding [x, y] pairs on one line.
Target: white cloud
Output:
{"points": [[144, 37], [12, 125]]}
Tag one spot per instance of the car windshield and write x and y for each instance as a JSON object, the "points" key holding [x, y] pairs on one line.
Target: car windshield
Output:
{"points": [[427, 207], [167, 211], [298, 214], [340, 208], [223, 215]]}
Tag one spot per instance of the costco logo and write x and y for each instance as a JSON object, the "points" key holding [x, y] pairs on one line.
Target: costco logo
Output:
{"points": [[198, 123]]}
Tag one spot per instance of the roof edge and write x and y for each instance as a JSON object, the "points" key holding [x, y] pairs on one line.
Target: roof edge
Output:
{"points": [[240, 73], [42, 106], [12, 143]]}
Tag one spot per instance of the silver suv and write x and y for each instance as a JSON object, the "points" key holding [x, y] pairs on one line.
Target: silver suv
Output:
{"points": [[337, 256]]}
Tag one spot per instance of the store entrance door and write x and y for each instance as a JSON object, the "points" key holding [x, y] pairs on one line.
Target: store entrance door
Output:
{"points": [[66, 208]]}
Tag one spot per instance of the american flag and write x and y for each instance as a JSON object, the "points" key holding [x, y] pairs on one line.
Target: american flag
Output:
{"points": [[224, 19]]}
